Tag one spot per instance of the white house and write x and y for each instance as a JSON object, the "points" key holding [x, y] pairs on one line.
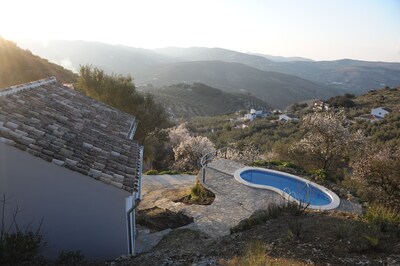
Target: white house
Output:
{"points": [[249, 117], [72, 161], [276, 111], [256, 112], [288, 118], [380, 111], [320, 105]]}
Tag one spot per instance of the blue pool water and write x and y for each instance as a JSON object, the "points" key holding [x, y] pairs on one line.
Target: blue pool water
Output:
{"points": [[298, 189]]}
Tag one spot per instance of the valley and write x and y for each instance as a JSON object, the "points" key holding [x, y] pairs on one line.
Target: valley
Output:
{"points": [[280, 82], [186, 101]]}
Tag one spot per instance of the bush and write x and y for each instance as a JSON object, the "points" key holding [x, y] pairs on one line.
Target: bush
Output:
{"points": [[320, 173], [272, 164], [383, 217], [20, 248], [151, 172], [169, 172], [198, 192]]}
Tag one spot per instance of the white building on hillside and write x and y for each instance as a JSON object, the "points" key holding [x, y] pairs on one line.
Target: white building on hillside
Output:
{"points": [[256, 112], [288, 118], [380, 111], [249, 117]]}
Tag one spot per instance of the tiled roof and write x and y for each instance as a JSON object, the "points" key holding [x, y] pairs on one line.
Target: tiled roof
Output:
{"points": [[383, 108], [63, 126], [387, 109]]}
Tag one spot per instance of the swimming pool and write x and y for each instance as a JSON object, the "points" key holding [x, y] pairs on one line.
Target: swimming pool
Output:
{"points": [[291, 187]]}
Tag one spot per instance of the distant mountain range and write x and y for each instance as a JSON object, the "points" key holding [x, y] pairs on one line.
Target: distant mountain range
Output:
{"points": [[184, 101], [20, 66], [116, 59], [277, 89], [282, 58], [304, 78], [348, 75]]}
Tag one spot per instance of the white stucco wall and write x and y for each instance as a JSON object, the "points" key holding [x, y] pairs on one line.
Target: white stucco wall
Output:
{"points": [[379, 112], [79, 212]]}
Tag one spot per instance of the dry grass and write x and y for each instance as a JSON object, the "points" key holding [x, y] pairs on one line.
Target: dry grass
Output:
{"points": [[255, 254]]}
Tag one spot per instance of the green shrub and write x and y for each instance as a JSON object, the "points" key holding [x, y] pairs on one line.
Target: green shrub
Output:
{"points": [[383, 217], [321, 173], [151, 172], [198, 192], [276, 163], [199, 195], [271, 164], [169, 172], [372, 241], [260, 163]]}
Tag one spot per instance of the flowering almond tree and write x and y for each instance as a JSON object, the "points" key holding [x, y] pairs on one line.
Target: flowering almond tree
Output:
{"points": [[187, 149], [188, 152], [178, 135], [326, 141], [379, 171]]}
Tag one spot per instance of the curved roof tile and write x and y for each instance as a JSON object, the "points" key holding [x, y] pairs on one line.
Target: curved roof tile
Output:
{"points": [[63, 126]]}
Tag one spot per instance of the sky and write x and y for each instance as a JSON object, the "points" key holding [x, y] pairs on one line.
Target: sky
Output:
{"points": [[316, 29]]}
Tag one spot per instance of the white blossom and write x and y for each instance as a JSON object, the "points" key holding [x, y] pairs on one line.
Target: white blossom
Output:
{"points": [[188, 153], [327, 139]]}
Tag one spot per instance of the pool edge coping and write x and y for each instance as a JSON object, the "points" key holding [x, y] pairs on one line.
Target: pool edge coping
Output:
{"points": [[335, 198]]}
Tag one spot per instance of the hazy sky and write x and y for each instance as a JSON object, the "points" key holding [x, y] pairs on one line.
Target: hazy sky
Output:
{"points": [[317, 29]]}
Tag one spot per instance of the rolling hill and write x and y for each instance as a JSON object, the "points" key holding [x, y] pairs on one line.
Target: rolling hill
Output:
{"points": [[20, 66], [353, 76], [277, 89], [214, 54], [184, 100], [281, 58], [116, 59], [347, 75]]}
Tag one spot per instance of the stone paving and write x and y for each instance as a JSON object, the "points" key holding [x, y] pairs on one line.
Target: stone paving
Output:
{"points": [[233, 200], [225, 166], [154, 182]]}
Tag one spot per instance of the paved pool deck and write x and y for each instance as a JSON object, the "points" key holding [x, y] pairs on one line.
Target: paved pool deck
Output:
{"points": [[233, 201]]}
